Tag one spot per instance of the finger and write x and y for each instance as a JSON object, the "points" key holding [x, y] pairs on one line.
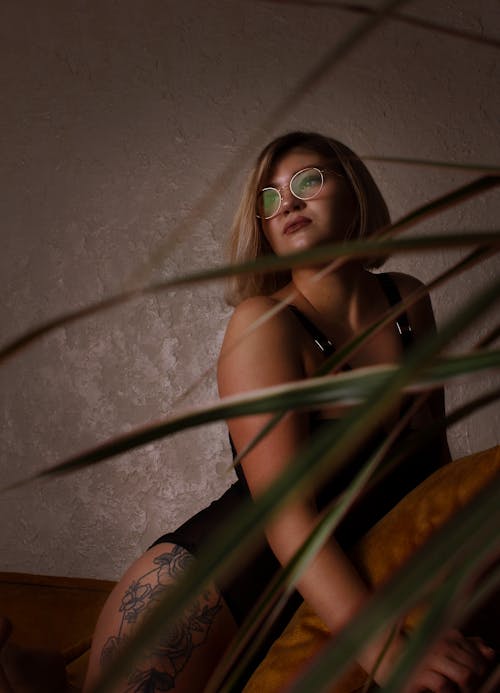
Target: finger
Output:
{"points": [[428, 680], [456, 638], [469, 652], [483, 647], [459, 667]]}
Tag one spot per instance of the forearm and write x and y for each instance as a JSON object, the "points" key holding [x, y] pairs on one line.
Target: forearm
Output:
{"points": [[331, 585]]}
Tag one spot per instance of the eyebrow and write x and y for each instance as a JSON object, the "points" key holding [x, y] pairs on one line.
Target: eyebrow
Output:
{"points": [[274, 184]]}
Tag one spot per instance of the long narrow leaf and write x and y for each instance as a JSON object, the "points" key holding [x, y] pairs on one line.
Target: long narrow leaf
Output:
{"points": [[305, 470], [344, 388], [442, 610], [425, 437], [341, 356], [443, 202], [383, 652], [489, 338], [302, 88], [432, 163], [431, 431], [478, 520], [389, 231], [291, 572], [273, 263], [289, 575], [411, 20]]}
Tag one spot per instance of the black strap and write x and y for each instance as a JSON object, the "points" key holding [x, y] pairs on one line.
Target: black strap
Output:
{"points": [[393, 296], [321, 340]]}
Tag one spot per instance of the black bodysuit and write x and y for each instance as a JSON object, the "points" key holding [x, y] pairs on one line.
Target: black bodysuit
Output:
{"points": [[243, 589]]}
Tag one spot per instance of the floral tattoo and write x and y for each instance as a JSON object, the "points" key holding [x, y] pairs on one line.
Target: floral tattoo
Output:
{"points": [[163, 661]]}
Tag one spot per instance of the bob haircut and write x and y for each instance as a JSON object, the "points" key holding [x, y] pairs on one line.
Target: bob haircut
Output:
{"points": [[247, 241]]}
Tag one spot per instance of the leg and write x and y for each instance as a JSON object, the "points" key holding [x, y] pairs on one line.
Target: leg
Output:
{"points": [[185, 656]]}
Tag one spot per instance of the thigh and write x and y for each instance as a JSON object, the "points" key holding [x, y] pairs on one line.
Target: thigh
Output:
{"points": [[185, 655]]}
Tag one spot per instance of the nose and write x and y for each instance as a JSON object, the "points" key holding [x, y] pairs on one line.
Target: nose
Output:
{"points": [[289, 202]]}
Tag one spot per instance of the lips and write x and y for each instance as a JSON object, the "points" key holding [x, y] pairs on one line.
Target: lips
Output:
{"points": [[296, 224]]}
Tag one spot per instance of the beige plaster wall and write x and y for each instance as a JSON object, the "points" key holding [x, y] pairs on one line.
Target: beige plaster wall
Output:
{"points": [[115, 121]]}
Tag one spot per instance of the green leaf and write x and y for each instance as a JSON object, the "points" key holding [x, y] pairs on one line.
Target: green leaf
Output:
{"points": [[357, 248], [397, 17], [307, 469], [444, 603], [476, 523], [247, 642], [343, 388], [239, 650], [432, 163], [260, 132], [334, 362]]}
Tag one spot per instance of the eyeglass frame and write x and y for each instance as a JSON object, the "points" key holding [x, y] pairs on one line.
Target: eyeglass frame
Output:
{"points": [[321, 171]]}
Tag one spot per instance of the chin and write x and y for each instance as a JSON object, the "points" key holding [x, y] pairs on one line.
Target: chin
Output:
{"points": [[309, 241]]}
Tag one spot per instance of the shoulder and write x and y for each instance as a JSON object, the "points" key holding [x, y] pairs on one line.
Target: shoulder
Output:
{"points": [[262, 316], [420, 313], [260, 347]]}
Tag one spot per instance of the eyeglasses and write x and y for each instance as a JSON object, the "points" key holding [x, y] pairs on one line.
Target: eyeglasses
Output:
{"points": [[305, 184]]}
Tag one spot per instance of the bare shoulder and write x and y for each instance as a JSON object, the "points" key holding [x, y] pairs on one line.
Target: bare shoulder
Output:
{"points": [[260, 347], [420, 314], [261, 316]]}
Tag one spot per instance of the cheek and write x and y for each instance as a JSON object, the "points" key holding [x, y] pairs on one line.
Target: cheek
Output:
{"points": [[268, 235]]}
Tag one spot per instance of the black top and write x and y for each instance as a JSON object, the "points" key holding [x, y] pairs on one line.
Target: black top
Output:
{"points": [[401, 323], [243, 589], [380, 497]]}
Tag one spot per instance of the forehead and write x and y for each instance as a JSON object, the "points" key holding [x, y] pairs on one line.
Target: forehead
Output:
{"points": [[291, 162]]}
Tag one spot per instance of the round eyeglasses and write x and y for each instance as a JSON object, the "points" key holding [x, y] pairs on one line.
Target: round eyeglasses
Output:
{"points": [[305, 184]]}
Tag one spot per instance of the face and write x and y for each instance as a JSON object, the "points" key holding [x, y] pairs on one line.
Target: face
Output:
{"points": [[302, 224]]}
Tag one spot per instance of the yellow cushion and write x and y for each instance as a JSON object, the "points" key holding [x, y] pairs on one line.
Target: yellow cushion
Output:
{"points": [[379, 553]]}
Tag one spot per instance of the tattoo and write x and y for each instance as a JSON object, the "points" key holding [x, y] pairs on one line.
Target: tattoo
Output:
{"points": [[170, 654]]}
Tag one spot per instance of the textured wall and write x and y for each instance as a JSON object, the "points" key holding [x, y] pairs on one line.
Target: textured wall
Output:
{"points": [[116, 119]]}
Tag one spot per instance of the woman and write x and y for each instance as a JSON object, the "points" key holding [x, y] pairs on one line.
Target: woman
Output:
{"points": [[305, 190]]}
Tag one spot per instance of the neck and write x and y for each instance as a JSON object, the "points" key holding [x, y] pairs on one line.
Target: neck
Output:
{"points": [[339, 294]]}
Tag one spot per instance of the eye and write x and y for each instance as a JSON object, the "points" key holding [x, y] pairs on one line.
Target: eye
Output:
{"points": [[268, 202], [307, 183]]}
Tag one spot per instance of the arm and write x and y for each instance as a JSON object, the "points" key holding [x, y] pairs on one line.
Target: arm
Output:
{"points": [[331, 585], [268, 356]]}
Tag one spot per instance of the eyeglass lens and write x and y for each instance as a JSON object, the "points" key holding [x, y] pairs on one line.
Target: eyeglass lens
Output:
{"points": [[304, 184]]}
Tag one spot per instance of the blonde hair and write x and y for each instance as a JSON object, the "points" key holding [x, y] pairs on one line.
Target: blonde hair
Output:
{"points": [[247, 241]]}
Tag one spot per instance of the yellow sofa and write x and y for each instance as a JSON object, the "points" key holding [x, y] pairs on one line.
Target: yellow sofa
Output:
{"points": [[378, 555]]}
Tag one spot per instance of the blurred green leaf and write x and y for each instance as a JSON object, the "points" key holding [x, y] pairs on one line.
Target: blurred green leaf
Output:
{"points": [[358, 248], [477, 524], [326, 452], [249, 638], [411, 20], [346, 388]]}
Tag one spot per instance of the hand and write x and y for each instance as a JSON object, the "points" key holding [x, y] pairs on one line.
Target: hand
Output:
{"points": [[456, 663]]}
